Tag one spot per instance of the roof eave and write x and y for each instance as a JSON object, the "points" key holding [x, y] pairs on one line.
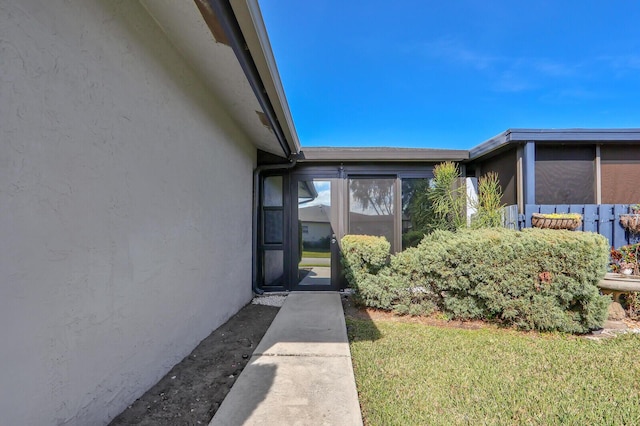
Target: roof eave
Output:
{"points": [[325, 154], [250, 20], [514, 136]]}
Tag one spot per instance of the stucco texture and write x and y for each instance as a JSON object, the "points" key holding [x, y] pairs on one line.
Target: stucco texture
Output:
{"points": [[125, 209]]}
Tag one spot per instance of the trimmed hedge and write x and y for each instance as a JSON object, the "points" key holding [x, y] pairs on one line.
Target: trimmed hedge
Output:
{"points": [[366, 255], [365, 260], [534, 279]]}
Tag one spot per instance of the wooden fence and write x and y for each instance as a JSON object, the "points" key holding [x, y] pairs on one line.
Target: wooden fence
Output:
{"points": [[601, 218]]}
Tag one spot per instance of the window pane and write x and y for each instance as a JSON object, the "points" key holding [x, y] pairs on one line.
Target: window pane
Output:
{"points": [[371, 207], [273, 267], [620, 182], [620, 174], [411, 235], [565, 175], [273, 191], [273, 226]]}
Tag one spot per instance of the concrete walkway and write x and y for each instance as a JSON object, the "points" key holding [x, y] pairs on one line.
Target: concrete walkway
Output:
{"points": [[300, 373], [318, 275]]}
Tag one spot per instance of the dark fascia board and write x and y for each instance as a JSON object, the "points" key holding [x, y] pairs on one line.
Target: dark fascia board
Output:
{"points": [[228, 19], [554, 135], [381, 154], [257, 41]]}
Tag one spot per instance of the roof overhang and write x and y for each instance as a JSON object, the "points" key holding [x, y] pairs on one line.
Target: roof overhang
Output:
{"points": [[381, 154], [517, 136], [252, 25], [187, 26]]}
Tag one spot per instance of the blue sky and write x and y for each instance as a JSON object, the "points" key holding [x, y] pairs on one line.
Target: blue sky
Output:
{"points": [[451, 74]]}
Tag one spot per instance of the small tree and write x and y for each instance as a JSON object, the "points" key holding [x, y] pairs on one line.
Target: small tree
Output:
{"points": [[448, 198], [489, 204], [441, 204]]}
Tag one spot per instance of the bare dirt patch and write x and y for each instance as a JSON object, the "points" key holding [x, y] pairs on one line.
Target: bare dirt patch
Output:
{"points": [[193, 390]]}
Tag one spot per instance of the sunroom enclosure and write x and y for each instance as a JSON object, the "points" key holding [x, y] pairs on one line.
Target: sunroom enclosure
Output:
{"points": [[307, 207], [316, 205]]}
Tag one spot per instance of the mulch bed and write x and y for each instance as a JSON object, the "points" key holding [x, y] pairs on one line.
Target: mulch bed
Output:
{"points": [[193, 390]]}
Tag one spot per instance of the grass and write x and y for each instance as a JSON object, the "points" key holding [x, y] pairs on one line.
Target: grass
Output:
{"points": [[316, 254], [413, 374]]}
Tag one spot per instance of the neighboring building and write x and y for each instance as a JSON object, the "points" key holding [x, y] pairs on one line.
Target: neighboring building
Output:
{"points": [[562, 166], [315, 225], [150, 179]]}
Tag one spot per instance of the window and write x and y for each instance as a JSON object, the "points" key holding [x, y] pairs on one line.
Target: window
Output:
{"points": [[620, 169], [565, 174], [272, 237], [411, 234], [371, 207]]}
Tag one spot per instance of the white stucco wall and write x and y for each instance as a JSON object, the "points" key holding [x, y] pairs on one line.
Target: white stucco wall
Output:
{"points": [[125, 210]]}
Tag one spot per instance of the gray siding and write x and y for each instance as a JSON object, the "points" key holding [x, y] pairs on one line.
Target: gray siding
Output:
{"points": [[505, 165], [125, 210]]}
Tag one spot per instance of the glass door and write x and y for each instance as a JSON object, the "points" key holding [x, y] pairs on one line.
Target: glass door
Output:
{"points": [[317, 245]]}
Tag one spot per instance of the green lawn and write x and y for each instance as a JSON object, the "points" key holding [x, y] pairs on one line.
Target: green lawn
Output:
{"points": [[316, 254], [413, 374]]}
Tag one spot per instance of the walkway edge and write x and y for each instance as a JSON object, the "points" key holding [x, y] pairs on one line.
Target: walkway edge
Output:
{"points": [[301, 371]]}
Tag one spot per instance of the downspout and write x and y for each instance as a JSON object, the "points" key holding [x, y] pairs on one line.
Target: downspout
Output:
{"points": [[256, 205]]}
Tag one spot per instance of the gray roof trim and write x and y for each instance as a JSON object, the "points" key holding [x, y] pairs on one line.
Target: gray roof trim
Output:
{"points": [[554, 135], [382, 154]]}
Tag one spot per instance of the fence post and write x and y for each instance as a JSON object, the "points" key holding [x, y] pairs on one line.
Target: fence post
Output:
{"points": [[619, 233], [590, 218]]}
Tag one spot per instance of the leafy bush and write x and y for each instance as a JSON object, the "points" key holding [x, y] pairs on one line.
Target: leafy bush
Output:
{"points": [[534, 279], [412, 238], [365, 258], [363, 254]]}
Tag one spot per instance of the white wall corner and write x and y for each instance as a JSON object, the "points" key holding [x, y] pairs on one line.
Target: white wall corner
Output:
{"points": [[471, 184]]}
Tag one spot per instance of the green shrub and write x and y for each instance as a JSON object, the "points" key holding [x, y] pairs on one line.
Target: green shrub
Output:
{"points": [[363, 256], [365, 252], [535, 279], [365, 259], [412, 238]]}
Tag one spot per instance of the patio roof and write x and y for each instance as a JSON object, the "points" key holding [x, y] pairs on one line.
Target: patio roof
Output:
{"points": [[510, 136], [327, 154]]}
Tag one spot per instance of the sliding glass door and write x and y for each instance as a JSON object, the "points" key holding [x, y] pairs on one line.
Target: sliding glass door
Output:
{"points": [[372, 207]]}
